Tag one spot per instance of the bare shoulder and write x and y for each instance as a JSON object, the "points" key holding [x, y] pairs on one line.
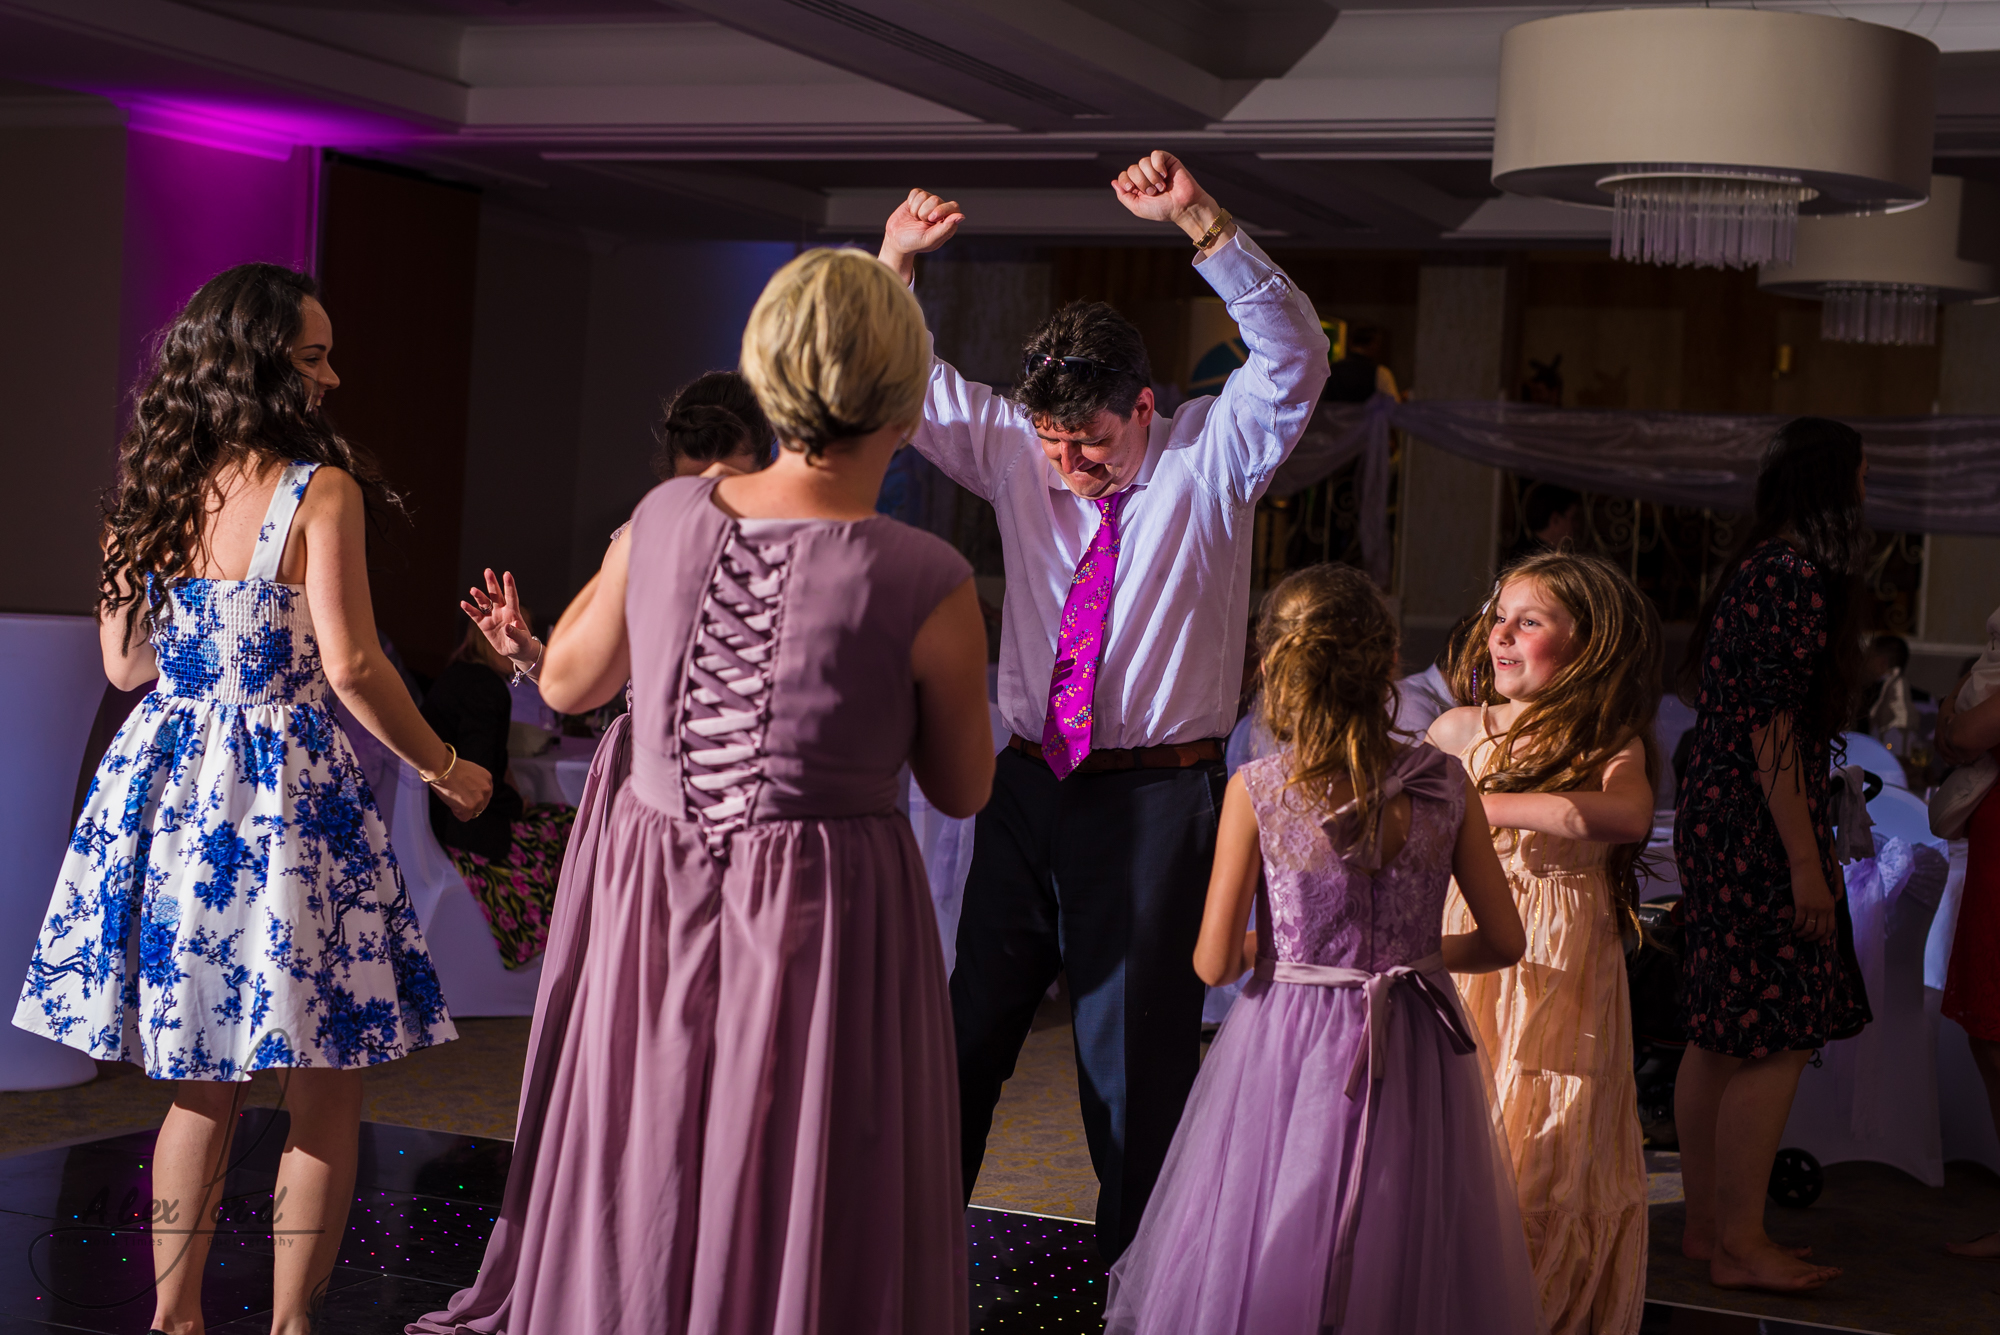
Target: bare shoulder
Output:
{"points": [[330, 491], [1453, 730]]}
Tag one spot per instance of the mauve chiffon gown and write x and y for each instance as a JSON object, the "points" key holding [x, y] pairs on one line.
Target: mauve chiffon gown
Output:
{"points": [[740, 1109], [1338, 1166]]}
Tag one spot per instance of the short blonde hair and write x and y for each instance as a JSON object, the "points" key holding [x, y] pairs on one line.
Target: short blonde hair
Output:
{"points": [[835, 349]]}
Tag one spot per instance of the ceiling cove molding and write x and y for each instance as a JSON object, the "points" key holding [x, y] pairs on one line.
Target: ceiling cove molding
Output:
{"points": [[263, 56]]}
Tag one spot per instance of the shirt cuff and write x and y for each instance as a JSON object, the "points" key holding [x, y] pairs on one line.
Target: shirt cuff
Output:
{"points": [[1237, 267]]}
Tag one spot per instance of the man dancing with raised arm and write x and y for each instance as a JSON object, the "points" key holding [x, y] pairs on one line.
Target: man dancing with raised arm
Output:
{"points": [[1126, 536]]}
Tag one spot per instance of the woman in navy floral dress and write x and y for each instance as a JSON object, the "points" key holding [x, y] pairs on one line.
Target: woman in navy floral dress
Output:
{"points": [[1765, 981], [230, 903]]}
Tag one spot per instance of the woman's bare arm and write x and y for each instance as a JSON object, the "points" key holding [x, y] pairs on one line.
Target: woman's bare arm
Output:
{"points": [[331, 524], [1221, 954], [132, 664], [1618, 812], [1499, 940], [953, 759], [589, 658], [1779, 764]]}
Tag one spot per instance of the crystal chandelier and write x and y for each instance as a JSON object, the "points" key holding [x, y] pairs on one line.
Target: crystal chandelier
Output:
{"points": [[1710, 133], [1879, 313], [1711, 219], [1881, 277]]}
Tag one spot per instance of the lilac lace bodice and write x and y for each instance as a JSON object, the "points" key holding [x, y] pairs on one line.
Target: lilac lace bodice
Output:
{"points": [[1320, 909]]}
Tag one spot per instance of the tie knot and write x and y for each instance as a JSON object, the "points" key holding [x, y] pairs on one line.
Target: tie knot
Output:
{"points": [[1109, 506]]}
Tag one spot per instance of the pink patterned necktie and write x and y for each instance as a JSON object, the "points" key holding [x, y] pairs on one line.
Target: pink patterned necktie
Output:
{"points": [[1079, 641]]}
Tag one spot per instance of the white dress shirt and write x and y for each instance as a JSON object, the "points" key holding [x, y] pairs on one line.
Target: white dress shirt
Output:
{"points": [[1172, 660]]}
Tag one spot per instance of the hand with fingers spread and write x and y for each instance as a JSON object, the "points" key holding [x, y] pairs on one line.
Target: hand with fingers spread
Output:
{"points": [[920, 224], [1159, 188], [496, 610]]}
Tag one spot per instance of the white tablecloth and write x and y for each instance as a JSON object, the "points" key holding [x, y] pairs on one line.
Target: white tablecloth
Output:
{"points": [[946, 843], [462, 950], [556, 775], [53, 679]]}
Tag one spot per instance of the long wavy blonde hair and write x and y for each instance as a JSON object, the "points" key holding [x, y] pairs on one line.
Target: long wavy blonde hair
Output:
{"points": [[1607, 694], [1327, 649]]}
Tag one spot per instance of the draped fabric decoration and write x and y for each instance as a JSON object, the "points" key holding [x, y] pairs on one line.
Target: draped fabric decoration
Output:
{"points": [[1925, 474]]}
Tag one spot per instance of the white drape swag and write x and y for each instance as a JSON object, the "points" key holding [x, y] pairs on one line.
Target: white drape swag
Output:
{"points": [[1926, 474]]}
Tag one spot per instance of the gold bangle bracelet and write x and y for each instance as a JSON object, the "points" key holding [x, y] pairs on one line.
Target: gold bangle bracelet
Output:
{"points": [[1214, 230], [444, 773]]}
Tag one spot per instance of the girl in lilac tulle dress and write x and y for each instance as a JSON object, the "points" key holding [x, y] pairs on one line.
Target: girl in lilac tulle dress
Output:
{"points": [[1338, 1166]]}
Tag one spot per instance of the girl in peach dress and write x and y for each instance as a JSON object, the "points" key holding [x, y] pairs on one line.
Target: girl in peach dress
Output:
{"points": [[1565, 667]]}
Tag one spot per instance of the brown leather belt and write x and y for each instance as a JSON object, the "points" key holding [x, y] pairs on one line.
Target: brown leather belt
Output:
{"points": [[1182, 755]]}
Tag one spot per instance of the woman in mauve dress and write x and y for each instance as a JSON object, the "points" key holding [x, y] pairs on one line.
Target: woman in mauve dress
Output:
{"points": [[740, 1109]]}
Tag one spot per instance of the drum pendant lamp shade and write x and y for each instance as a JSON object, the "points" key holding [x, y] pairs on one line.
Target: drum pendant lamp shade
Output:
{"points": [[1710, 131], [1882, 277]]}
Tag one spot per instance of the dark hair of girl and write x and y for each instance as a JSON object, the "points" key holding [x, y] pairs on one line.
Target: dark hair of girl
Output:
{"points": [[1808, 494], [710, 418], [221, 390]]}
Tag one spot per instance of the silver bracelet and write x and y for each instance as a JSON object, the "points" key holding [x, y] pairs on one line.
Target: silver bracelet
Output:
{"points": [[528, 673]]}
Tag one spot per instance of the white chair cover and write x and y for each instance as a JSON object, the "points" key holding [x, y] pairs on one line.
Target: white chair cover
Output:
{"points": [[54, 679]]}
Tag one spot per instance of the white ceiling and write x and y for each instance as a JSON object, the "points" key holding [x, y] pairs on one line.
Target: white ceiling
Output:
{"points": [[802, 118]]}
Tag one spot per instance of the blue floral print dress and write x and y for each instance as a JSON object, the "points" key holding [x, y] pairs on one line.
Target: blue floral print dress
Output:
{"points": [[230, 901]]}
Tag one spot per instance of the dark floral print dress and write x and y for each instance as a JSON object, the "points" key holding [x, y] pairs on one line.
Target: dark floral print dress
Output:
{"points": [[1749, 986]]}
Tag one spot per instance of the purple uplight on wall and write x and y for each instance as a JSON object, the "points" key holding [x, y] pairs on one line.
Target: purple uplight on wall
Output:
{"points": [[262, 130], [193, 209]]}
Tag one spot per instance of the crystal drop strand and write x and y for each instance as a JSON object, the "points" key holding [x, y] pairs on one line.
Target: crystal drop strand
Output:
{"points": [[1711, 221], [1894, 313]]}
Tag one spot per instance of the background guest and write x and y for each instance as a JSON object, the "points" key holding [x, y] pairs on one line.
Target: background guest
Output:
{"points": [[1885, 713], [710, 426], [1551, 519], [1362, 373], [712, 419], [1772, 671], [510, 853]]}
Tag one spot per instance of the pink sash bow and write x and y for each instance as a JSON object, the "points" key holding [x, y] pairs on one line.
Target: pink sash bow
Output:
{"points": [[1421, 770]]}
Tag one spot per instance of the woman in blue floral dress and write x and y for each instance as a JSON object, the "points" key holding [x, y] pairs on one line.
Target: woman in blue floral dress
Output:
{"points": [[230, 902], [1768, 969]]}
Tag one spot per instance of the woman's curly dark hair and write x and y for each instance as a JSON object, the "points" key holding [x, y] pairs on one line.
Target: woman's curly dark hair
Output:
{"points": [[1809, 497], [222, 389], [710, 418]]}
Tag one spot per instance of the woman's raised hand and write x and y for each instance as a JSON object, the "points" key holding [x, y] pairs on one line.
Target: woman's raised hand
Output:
{"points": [[921, 223], [496, 610]]}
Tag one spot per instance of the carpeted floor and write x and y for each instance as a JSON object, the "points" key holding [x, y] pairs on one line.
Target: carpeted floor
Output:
{"points": [[1036, 1158]]}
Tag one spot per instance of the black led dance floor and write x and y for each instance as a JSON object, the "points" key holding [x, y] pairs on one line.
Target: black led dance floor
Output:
{"points": [[75, 1256]]}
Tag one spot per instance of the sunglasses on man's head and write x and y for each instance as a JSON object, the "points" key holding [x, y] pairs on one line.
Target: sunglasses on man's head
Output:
{"points": [[1084, 368]]}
